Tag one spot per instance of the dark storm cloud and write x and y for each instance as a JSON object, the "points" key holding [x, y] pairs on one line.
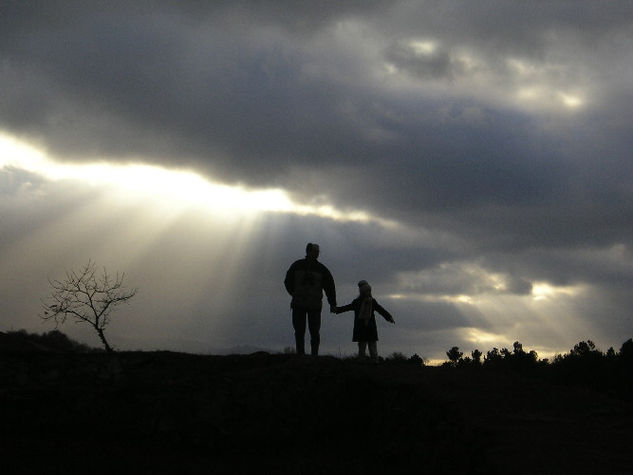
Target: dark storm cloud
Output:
{"points": [[257, 92], [202, 79], [232, 95], [226, 99]]}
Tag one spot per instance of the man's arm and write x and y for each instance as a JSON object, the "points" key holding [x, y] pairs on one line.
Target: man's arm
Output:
{"points": [[289, 281], [329, 287], [345, 308]]}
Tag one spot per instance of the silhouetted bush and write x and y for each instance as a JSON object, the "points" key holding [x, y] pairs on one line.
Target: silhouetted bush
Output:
{"points": [[582, 357], [493, 358], [626, 352], [585, 349], [416, 360], [611, 354], [396, 357], [400, 358], [454, 356]]}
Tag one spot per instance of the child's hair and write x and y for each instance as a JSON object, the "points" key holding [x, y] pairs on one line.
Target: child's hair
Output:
{"points": [[364, 287]]}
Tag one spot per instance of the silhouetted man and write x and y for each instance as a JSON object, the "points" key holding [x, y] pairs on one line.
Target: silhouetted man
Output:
{"points": [[305, 281]]}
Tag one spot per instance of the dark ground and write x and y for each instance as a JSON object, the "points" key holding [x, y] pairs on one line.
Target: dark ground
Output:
{"points": [[177, 413]]}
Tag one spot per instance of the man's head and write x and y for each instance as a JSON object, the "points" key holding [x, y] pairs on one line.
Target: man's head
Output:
{"points": [[312, 251]]}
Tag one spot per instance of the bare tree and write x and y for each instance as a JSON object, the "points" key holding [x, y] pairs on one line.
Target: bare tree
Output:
{"points": [[87, 297]]}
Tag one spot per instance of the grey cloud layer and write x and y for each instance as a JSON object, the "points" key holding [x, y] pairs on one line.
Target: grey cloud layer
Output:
{"points": [[294, 95]]}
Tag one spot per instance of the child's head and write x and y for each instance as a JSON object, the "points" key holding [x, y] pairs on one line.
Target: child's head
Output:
{"points": [[364, 287]]}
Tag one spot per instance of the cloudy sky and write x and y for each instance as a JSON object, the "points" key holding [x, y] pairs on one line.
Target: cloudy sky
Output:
{"points": [[471, 160]]}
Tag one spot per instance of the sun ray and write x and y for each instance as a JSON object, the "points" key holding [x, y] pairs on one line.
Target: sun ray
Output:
{"points": [[190, 237]]}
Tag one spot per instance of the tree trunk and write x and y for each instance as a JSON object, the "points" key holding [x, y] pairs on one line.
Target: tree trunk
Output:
{"points": [[108, 348]]}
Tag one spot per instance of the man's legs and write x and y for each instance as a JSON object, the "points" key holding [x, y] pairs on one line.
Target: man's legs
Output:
{"points": [[362, 345], [299, 324], [314, 325]]}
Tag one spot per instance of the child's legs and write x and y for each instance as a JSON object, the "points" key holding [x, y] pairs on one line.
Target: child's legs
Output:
{"points": [[362, 345], [373, 349]]}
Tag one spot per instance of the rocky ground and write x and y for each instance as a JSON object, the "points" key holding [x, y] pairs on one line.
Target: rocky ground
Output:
{"points": [[177, 413]]}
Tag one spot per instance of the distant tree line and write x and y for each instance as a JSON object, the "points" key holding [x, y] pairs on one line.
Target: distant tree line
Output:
{"points": [[584, 365], [52, 341], [583, 353]]}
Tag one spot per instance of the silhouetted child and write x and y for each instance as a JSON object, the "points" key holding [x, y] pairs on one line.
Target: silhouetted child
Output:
{"points": [[365, 331]]}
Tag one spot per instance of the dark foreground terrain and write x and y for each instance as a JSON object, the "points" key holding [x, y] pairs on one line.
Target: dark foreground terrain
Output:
{"points": [[177, 413]]}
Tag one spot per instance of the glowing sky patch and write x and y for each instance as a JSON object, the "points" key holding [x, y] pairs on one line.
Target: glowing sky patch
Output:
{"points": [[423, 47], [539, 85], [460, 298], [480, 337], [544, 97], [178, 189], [544, 291], [571, 101]]}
